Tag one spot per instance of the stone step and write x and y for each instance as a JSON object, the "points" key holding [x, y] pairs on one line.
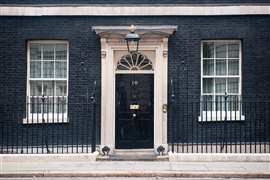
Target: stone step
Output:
{"points": [[134, 151], [132, 158], [133, 155]]}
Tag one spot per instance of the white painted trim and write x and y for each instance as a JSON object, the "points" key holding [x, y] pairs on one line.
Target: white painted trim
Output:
{"points": [[36, 118], [209, 116], [139, 10], [108, 72], [134, 72]]}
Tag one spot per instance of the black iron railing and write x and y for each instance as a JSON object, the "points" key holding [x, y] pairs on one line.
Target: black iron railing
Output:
{"points": [[221, 124], [224, 124], [50, 124]]}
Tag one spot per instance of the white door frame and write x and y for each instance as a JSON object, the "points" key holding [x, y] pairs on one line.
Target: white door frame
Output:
{"points": [[109, 45]]}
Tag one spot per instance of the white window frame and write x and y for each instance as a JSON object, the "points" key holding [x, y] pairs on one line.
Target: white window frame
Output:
{"points": [[36, 118], [209, 116]]}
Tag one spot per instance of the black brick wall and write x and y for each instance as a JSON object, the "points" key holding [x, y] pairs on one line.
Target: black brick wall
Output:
{"points": [[85, 46]]}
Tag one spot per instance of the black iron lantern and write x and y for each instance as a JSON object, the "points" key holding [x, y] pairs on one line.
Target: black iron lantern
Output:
{"points": [[132, 40]]}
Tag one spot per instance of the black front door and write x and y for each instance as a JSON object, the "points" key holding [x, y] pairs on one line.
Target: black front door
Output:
{"points": [[134, 111]]}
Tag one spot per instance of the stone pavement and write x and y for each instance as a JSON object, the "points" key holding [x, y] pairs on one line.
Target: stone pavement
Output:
{"points": [[135, 169]]}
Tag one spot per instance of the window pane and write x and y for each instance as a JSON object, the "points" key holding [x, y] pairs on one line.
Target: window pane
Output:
{"points": [[221, 50], [233, 50], [208, 50], [221, 67], [48, 88], [233, 67], [220, 85], [208, 85], [208, 67], [35, 88], [48, 105], [208, 104], [35, 69], [48, 52], [48, 69], [220, 103], [233, 84], [60, 105], [60, 69], [233, 103], [35, 51], [61, 52], [61, 88], [35, 105]]}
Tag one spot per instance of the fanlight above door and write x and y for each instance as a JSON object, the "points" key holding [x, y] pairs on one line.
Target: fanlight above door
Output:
{"points": [[134, 62]]}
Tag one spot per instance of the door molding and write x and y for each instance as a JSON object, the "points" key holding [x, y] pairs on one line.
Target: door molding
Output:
{"points": [[109, 46]]}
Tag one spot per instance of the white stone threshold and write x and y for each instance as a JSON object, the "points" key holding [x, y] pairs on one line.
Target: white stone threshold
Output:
{"points": [[89, 157], [218, 157], [131, 10]]}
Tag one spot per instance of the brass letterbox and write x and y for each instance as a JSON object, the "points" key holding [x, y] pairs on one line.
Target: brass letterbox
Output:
{"points": [[134, 106]]}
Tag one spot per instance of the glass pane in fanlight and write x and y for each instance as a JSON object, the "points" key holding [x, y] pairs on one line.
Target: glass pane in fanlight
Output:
{"points": [[221, 50], [208, 67], [233, 50], [35, 51], [134, 58], [233, 85], [221, 67], [233, 67], [48, 88], [61, 88], [48, 51], [208, 85], [220, 84], [140, 60], [208, 50], [145, 65], [60, 69], [35, 88], [61, 52], [123, 64], [129, 60], [121, 67], [48, 69], [35, 69]]}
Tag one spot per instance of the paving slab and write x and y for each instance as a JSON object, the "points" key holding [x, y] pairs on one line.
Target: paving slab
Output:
{"points": [[136, 169]]}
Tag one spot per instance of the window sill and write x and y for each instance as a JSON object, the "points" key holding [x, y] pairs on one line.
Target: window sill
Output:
{"points": [[48, 118], [210, 116]]}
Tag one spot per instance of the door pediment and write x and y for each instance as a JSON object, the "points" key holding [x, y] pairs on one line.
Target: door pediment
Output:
{"points": [[145, 32]]}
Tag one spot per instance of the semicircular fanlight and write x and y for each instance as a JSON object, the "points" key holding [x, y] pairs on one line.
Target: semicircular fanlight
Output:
{"points": [[134, 62]]}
